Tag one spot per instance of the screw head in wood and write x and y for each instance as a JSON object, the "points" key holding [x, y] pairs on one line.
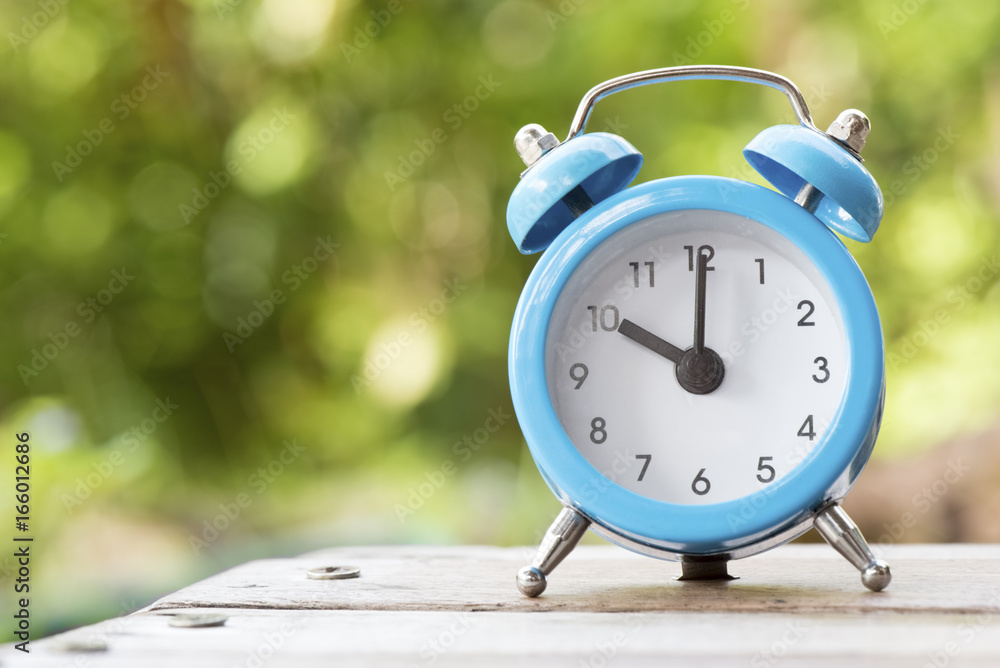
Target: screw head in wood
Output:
{"points": [[76, 645], [333, 573], [197, 620]]}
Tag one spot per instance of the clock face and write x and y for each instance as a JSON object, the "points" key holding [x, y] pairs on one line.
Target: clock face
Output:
{"points": [[685, 423]]}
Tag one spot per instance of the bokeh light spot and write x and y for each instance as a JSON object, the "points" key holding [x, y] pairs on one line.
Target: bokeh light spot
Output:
{"points": [[403, 364], [65, 56], [77, 220], [273, 146], [54, 426], [290, 30]]}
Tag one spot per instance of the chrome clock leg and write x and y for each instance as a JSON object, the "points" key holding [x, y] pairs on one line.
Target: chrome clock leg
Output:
{"points": [[559, 540], [843, 534]]}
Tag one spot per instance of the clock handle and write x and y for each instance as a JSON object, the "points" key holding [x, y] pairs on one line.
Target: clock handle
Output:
{"points": [[565, 532], [843, 534], [688, 73]]}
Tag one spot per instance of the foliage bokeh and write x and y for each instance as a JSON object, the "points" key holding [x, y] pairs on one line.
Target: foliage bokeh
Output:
{"points": [[383, 130]]}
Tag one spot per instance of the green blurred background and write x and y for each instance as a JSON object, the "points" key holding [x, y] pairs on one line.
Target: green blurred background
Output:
{"points": [[217, 206]]}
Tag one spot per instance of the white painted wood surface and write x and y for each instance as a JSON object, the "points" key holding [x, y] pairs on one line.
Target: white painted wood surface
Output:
{"points": [[799, 605]]}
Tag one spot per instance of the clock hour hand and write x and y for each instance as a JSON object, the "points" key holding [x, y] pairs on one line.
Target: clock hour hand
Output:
{"points": [[649, 340]]}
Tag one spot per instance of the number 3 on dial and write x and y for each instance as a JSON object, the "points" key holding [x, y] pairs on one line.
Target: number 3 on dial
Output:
{"points": [[822, 368]]}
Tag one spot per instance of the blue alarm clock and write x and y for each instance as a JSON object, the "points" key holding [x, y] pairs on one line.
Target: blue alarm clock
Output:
{"points": [[696, 362]]}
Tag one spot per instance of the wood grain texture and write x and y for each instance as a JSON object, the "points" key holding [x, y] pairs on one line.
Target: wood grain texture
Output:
{"points": [[795, 578], [435, 606]]}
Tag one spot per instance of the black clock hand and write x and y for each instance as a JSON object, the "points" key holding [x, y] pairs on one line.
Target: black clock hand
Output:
{"points": [[699, 370], [699, 304], [651, 341], [697, 374]]}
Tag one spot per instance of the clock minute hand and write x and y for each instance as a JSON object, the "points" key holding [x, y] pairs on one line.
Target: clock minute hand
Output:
{"points": [[649, 340], [699, 304], [701, 371]]}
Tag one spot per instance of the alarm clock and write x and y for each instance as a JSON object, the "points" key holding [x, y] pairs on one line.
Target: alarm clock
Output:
{"points": [[696, 362]]}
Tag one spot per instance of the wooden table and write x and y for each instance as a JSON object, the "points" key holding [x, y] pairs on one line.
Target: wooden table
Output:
{"points": [[458, 606]]}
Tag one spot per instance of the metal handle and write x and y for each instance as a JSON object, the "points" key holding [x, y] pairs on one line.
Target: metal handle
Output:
{"points": [[687, 73]]}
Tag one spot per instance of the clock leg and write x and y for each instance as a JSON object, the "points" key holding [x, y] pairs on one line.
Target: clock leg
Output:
{"points": [[559, 540], [843, 534]]}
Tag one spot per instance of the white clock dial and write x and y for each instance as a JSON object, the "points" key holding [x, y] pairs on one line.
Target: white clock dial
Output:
{"points": [[769, 315]]}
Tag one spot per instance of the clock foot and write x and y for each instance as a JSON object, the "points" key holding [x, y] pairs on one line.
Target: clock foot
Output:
{"points": [[704, 568], [843, 535], [565, 532]]}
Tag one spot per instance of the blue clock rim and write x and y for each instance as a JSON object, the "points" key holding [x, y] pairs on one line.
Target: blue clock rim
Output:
{"points": [[826, 473]]}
